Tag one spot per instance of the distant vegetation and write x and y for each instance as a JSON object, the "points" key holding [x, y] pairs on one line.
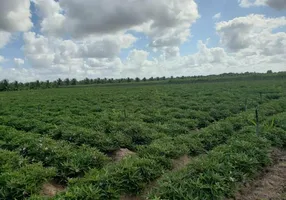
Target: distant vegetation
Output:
{"points": [[5, 85]]}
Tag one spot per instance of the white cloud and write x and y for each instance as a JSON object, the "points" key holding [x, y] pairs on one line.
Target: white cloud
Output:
{"points": [[206, 61], [97, 36], [106, 16], [53, 25], [171, 52], [19, 61], [276, 4], [52, 17], [44, 52], [217, 16], [4, 38], [2, 59], [136, 59], [46, 8], [107, 46], [52, 58], [252, 31], [38, 51], [15, 15], [93, 56], [167, 24], [253, 44], [249, 3]]}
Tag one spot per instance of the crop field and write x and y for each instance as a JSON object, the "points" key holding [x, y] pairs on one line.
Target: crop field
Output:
{"points": [[195, 141]]}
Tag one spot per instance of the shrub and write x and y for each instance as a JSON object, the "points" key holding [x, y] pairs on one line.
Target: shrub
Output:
{"points": [[70, 160], [18, 178], [216, 175], [128, 176]]}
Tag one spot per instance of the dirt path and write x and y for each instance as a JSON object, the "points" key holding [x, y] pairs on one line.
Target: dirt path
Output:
{"points": [[271, 185]]}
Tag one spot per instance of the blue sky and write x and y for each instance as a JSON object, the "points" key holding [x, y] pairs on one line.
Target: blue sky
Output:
{"points": [[140, 39]]}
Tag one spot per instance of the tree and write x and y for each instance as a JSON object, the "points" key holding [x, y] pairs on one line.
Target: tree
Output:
{"points": [[137, 79], [32, 85], [47, 85], [55, 84], [21, 86], [27, 85], [86, 81], [59, 82], [4, 85], [144, 79], [98, 80], [37, 84], [269, 72], [67, 81], [16, 85], [73, 81]]}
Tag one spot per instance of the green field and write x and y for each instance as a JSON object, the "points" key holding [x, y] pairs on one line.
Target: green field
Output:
{"points": [[69, 136]]}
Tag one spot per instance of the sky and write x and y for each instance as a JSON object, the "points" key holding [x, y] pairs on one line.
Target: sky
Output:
{"points": [[51, 39]]}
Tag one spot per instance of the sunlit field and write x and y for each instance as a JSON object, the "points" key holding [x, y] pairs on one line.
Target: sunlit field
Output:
{"points": [[139, 141]]}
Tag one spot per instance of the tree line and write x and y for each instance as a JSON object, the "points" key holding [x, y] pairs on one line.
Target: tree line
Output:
{"points": [[5, 85]]}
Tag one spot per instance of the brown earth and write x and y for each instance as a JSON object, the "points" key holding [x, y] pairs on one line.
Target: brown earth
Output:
{"points": [[180, 163], [121, 153], [269, 186], [51, 189]]}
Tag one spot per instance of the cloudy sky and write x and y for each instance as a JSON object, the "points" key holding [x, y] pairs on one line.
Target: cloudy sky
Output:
{"points": [[50, 39]]}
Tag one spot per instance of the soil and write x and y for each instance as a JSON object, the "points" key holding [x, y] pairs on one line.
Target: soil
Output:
{"points": [[127, 197], [269, 186], [51, 189], [180, 163], [121, 153]]}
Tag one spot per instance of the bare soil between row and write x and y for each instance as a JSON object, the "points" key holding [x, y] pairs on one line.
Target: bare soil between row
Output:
{"points": [[271, 184]]}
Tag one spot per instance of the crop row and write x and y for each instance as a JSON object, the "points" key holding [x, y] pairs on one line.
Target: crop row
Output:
{"points": [[115, 134], [202, 178], [163, 112], [68, 159], [18, 178], [132, 174], [213, 135], [110, 135], [87, 107], [218, 174]]}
